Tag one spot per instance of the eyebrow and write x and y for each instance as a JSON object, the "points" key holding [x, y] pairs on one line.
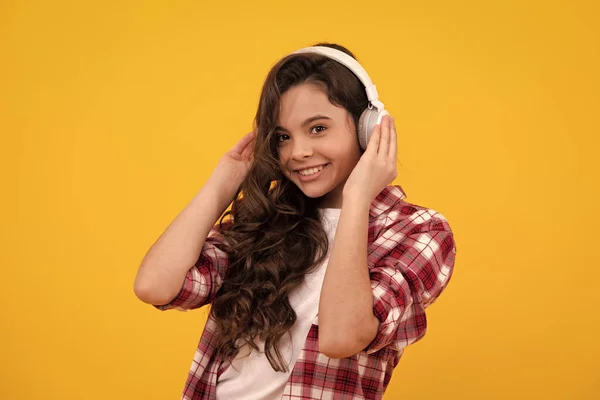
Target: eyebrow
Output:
{"points": [[306, 122]]}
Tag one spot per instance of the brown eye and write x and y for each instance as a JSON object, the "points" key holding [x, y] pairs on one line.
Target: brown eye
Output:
{"points": [[282, 137], [318, 128]]}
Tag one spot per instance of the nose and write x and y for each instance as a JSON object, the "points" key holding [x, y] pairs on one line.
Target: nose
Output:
{"points": [[302, 148]]}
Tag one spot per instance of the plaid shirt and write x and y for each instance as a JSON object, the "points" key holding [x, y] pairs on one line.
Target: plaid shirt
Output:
{"points": [[411, 256]]}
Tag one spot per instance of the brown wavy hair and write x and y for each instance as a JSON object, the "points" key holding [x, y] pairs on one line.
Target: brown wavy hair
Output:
{"points": [[274, 236]]}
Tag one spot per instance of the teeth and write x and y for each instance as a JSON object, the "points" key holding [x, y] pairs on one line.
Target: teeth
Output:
{"points": [[310, 171]]}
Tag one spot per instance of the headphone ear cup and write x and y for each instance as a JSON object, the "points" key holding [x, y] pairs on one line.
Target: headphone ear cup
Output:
{"points": [[366, 123]]}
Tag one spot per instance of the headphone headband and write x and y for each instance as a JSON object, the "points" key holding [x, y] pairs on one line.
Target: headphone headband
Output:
{"points": [[351, 64]]}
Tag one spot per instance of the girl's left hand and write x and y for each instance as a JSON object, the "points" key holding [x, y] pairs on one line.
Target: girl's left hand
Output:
{"points": [[377, 166]]}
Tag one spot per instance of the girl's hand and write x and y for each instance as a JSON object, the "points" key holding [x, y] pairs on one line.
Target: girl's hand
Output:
{"points": [[233, 167], [377, 166]]}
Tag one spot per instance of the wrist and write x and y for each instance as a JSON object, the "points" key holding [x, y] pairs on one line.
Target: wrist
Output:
{"points": [[221, 188], [357, 202]]}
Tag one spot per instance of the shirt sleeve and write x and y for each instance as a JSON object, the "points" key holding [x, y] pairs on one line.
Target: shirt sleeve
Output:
{"points": [[416, 265], [204, 279]]}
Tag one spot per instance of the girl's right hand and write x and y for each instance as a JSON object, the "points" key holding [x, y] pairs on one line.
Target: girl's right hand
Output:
{"points": [[235, 164]]}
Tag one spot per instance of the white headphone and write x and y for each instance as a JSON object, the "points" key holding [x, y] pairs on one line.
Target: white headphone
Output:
{"points": [[373, 114]]}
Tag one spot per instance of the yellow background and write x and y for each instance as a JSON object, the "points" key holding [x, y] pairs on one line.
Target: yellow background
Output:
{"points": [[113, 115]]}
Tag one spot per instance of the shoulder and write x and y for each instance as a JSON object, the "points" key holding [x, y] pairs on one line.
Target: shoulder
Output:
{"points": [[393, 212]]}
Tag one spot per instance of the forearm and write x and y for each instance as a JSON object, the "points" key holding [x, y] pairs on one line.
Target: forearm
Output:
{"points": [[164, 267], [346, 320]]}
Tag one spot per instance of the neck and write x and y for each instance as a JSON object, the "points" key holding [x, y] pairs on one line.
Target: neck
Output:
{"points": [[332, 199]]}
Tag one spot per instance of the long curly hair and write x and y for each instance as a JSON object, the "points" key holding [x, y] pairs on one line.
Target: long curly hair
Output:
{"points": [[274, 235]]}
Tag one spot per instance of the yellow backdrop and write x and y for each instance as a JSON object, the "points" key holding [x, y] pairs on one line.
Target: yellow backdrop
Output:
{"points": [[113, 115]]}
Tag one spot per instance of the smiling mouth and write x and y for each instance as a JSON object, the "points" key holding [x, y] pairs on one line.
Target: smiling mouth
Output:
{"points": [[309, 174], [311, 171]]}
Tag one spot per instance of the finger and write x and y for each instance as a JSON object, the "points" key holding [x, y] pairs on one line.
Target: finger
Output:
{"points": [[249, 149], [393, 152], [373, 144], [243, 142], [250, 140], [384, 141], [247, 153]]}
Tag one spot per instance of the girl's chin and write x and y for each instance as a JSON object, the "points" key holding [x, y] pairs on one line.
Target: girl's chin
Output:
{"points": [[315, 192], [316, 188], [312, 191]]}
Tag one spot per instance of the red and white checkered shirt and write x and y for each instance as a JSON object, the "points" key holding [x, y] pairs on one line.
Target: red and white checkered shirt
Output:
{"points": [[411, 256]]}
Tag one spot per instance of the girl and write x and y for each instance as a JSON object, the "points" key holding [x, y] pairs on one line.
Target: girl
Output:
{"points": [[320, 275]]}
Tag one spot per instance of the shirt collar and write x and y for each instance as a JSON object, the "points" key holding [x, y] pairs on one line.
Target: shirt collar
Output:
{"points": [[389, 196]]}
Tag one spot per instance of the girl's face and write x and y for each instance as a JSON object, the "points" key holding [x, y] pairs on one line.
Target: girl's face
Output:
{"points": [[317, 143]]}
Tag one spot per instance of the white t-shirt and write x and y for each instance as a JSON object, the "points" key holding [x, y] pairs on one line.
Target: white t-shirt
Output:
{"points": [[251, 376]]}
